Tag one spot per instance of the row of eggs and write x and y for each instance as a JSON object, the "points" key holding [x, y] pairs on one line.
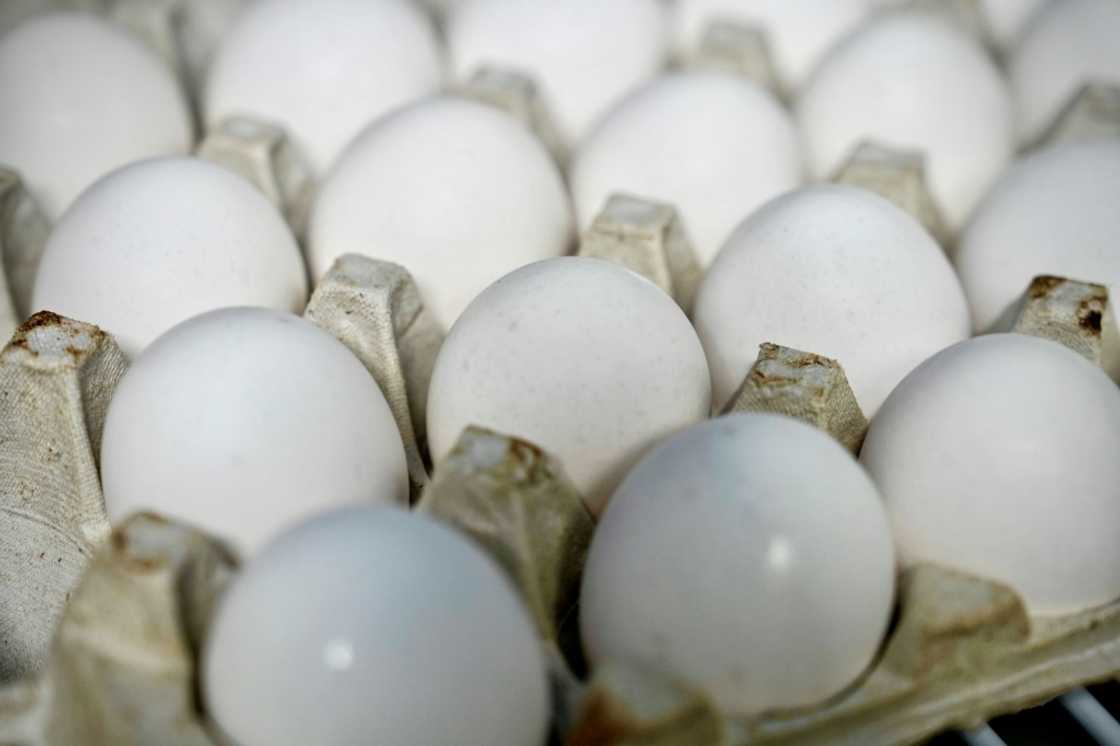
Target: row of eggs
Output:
{"points": [[245, 421]]}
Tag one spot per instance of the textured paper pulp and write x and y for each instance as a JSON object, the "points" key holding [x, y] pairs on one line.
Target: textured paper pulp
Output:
{"points": [[1075, 314], [374, 308], [731, 47], [23, 234], [518, 96], [1092, 113]]}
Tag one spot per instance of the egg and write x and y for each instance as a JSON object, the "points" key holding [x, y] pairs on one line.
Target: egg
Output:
{"points": [[834, 270], [243, 421], [586, 359], [1069, 44], [374, 625], [913, 81], [323, 70], [81, 98], [997, 457], [799, 32], [584, 54], [749, 555], [159, 241], [714, 145], [455, 191], [1054, 212]]}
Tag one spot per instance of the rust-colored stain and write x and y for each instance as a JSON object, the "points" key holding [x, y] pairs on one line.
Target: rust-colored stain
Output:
{"points": [[599, 725], [1090, 313], [1044, 285]]}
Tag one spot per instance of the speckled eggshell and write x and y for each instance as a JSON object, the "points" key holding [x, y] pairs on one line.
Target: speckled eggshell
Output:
{"points": [[457, 210], [750, 555], [374, 626], [1054, 212], [582, 357], [157, 242], [997, 457], [80, 98], [834, 270], [911, 80], [714, 145], [584, 54], [243, 421], [1069, 44], [799, 32], [323, 70]]}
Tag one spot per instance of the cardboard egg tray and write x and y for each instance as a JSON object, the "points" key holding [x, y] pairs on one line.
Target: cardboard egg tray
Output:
{"points": [[100, 627]]}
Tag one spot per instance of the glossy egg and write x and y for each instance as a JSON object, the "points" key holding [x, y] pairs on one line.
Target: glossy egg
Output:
{"points": [[834, 270], [395, 630], [457, 211], [324, 69], [749, 555], [799, 32], [997, 457], [913, 81], [157, 242], [81, 98], [1069, 44], [715, 167], [582, 357], [243, 421], [584, 54], [1054, 212]]}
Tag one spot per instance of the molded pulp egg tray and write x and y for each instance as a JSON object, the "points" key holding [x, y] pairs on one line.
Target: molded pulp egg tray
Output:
{"points": [[100, 627]]}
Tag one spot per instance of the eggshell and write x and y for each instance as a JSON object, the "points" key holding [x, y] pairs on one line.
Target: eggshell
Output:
{"points": [[1069, 44], [457, 210], [162, 240], [714, 145], [323, 70], [242, 421], [997, 457], [838, 271], [1054, 212], [81, 98], [749, 555], [584, 54], [912, 80], [582, 357], [799, 32], [372, 625]]}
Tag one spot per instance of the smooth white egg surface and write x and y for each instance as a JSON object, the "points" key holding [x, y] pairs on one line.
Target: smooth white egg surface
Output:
{"points": [[749, 555], [162, 240], [799, 32], [582, 357], [81, 98], [911, 80], [997, 457], [714, 145], [374, 626], [834, 270], [584, 54], [1054, 212], [243, 421], [455, 191], [1069, 44], [323, 70]]}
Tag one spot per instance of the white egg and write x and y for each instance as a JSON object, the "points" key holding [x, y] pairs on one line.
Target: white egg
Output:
{"points": [[580, 356], [799, 32], [1054, 212], [324, 69], [834, 270], [716, 146], [243, 421], [81, 98], [584, 54], [1069, 44], [157, 242], [374, 626], [457, 192], [749, 555], [998, 457], [912, 80]]}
